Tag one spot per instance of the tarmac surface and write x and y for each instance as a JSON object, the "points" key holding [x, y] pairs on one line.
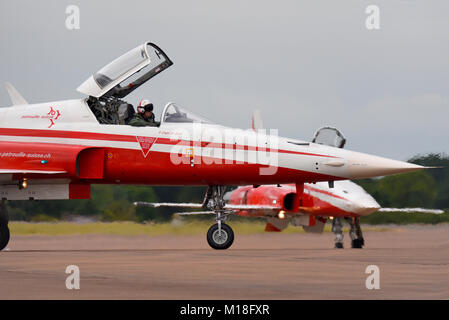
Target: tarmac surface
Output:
{"points": [[413, 262]]}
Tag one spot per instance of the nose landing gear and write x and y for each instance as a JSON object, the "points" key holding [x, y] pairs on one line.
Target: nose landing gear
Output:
{"points": [[337, 228], [220, 236]]}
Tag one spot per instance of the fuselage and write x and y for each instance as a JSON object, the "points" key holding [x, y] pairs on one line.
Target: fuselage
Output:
{"points": [[66, 137], [345, 199]]}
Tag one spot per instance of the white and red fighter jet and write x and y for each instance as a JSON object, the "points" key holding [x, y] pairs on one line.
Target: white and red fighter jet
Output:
{"points": [[281, 204], [57, 150]]}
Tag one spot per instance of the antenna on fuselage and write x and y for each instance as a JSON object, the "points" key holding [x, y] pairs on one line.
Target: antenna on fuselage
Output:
{"points": [[257, 123]]}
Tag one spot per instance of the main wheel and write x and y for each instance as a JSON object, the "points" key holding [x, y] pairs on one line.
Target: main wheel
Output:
{"points": [[338, 245], [220, 240], [4, 236], [357, 243]]}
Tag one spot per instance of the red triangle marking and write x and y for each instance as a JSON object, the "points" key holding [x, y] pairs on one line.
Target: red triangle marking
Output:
{"points": [[145, 144]]}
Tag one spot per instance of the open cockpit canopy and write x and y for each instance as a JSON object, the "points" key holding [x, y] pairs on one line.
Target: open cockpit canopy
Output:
{"points": [[147, 59], [329, 136]]}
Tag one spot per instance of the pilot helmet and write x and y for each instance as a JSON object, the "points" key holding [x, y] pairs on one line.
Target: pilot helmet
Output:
{"points": [[144, 106]]}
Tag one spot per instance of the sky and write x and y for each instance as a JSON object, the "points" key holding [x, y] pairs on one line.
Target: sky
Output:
{"points": [[303, 64]]}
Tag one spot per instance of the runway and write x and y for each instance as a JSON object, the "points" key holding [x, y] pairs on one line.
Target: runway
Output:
{"points": [[413, 263]]}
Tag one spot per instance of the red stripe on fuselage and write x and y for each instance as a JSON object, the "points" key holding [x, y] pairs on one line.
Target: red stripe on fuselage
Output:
{"points": [[132, 138], [325, 192], [124, 166]]}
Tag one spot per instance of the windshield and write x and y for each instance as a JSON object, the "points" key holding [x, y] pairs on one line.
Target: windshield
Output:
{"points": [[329, 136], [120, 66], [175, 114]]}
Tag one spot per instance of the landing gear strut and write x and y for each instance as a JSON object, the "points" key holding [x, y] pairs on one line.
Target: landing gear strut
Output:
{"points": [[355, 233], [220, 236], [4, 230], [337, 228]]}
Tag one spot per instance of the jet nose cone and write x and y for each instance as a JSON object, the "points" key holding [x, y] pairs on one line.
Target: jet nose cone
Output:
{"points": [[366, 166], [366, 206]]}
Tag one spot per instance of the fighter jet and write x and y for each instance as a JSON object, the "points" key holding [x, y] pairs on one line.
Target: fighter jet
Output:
{"points": [[57, 150]]}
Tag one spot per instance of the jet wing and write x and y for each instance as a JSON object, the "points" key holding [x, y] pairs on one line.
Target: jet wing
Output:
{"points": [[168, 204], [192, 213], [236, 207], [408, 210], [199, 206]]}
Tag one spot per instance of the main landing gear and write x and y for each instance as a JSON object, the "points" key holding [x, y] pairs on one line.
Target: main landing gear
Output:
{"points": [[220, 236], [337, 228], [355, 233], [4, 230]]}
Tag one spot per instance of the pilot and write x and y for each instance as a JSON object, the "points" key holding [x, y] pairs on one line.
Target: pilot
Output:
{"points": [[144, 116]]}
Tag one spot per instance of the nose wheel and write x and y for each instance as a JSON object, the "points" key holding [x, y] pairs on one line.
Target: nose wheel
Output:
{"points": [[220, 236], [4, 236], [4, 230]]}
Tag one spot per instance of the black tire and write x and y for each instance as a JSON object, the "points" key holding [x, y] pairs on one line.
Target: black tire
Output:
{"points": [[338, 245], [4, 218], [357, 243], [220, 242], [4, 236]]}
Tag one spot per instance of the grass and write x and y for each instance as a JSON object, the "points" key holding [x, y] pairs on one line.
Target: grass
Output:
{"points": [[131, 228]]}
